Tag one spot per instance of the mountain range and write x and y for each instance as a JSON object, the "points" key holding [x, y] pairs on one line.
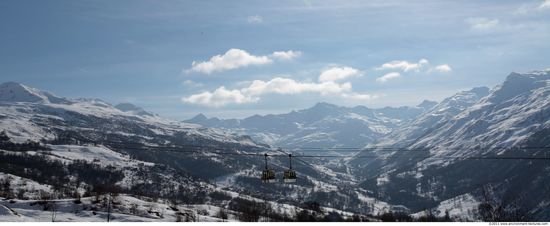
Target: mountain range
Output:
{"points": [[473, 143], [94, 145], [323, 125], [483, 147], [420, 156]]}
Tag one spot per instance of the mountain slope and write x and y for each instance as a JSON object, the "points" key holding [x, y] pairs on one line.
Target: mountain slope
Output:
{"points": [[507, 117], [513, 115], [133, 109], [149, 156], [433, 117], [15, 92]]}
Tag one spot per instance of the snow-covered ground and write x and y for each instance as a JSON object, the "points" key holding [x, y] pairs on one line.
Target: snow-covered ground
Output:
{"points": [[31, 188], [98, 154], [124, 209], [377, 207], [460, 208]]}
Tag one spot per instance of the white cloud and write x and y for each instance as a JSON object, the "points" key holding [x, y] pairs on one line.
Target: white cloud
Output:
{"points": [[233, 58], [531, 7], [358, 96], [237, 58], [404, 65], [423, 65], [388, 76], [286, 55], [190, 83], [337, 73], [220, 97], [442, 68], [481, 23], [523, 9], [289, 86], [284, 86], [255, 19], [545, 4]]}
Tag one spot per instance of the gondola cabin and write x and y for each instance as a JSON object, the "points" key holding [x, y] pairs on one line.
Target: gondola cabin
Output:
{"points": [[268, 176], [289, 176]]}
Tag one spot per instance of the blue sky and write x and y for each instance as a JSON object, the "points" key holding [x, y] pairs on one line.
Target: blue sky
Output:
{"points": [[258, 57]]}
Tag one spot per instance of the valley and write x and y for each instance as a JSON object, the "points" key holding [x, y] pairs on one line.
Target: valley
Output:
{"points": [[88, 160]]}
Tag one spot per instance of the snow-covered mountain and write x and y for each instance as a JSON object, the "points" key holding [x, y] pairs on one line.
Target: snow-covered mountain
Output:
{"points": [[88, 145], [507, 117], [323, 125], [511, 120], [478, 146], [133, 109], [433, 117], [15, 92], [28, 113]]}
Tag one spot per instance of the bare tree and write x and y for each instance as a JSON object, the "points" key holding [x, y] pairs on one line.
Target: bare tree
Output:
{"points": [[53, 206], [222, 215], [54, 210], [109, 207], [6, 188], [494, 209], [179, 218], [134, 208]]}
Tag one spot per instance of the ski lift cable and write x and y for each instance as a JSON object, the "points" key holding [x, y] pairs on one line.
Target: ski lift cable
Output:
{"points": [[340, 149], [357, 149], [228, 151], [286, 153], [373, 149]]}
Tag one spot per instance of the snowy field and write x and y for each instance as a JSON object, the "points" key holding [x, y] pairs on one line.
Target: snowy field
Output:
{"points": [[124, 209]]}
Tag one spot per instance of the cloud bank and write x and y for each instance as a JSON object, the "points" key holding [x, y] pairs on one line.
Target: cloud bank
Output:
{"points": [[237, 58], [284, 86]]}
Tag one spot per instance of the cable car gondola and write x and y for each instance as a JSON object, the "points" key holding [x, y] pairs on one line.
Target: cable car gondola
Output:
{"points": [[268, 176], [289, 175]]}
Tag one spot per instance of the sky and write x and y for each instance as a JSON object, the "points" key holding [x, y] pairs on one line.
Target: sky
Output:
{"points": [[233, 59]]}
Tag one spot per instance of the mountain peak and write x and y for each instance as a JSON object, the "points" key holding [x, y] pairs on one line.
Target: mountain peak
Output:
{"points": [[322, 109], [519, 83], [201, 119], [12, 84], [198, 118], [532, 75], [480, 91], [325, 105], [427, 104], [17, 92], [133, 109]]}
